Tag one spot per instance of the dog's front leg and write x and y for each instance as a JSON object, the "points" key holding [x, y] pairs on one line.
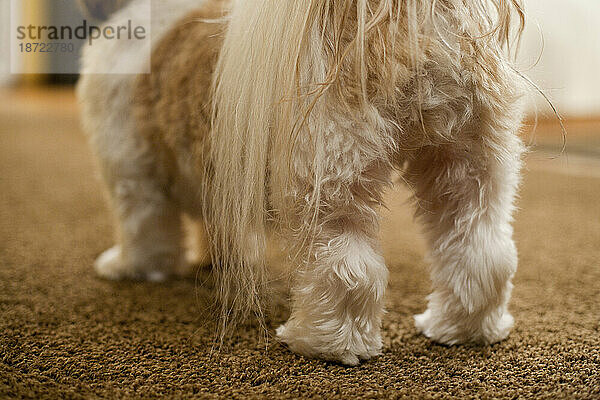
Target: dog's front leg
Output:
{"points": [[338, 292], [465, 195]]}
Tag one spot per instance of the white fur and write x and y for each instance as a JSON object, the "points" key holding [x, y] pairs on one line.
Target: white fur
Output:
{"points": [[338, 304]]}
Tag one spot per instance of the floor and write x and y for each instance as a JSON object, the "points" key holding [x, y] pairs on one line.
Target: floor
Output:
{"points": [[66, 334]]}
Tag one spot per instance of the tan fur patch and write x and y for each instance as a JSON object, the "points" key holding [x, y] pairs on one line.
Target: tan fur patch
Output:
{"points": [[172, 103]]}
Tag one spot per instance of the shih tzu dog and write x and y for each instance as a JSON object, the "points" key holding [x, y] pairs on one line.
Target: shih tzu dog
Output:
{"points": [[293, 115]]}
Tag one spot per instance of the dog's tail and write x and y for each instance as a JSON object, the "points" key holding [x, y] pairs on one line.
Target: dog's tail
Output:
{"points": [[254, 78], [101, 9]]}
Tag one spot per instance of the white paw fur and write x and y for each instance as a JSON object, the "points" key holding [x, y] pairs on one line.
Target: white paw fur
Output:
{"points": [[490, 329], [350, 350], [110, 265]]}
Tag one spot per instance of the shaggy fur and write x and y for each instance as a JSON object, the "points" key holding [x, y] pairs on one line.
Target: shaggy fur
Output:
{"points": [[295, 114]]}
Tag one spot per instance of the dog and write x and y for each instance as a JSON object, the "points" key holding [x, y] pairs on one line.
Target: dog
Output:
{"points": [[294, 116]]}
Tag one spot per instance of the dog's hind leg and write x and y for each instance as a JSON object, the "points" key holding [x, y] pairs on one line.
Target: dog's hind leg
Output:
{"points": [[338, 295], [465, 193]]}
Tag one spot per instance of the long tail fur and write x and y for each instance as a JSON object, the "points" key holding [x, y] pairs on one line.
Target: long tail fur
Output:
{"points": [[278, 59]]}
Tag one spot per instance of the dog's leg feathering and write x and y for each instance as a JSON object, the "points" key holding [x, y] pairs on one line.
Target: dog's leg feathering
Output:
{"points": [[337, 301], [337, 305], [465, 196]]}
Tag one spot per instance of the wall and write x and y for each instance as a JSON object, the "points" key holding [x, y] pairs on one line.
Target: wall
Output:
{"points": [[5, 77], [569, 68]]}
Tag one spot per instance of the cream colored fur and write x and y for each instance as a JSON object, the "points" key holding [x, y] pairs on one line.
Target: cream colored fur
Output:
{"points": [[149, 231], [315, 103]]}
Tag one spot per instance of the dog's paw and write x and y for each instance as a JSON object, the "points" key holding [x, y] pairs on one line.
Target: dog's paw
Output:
{"points": [[329, 346], [489, 329], [110, 265], [496, 330]]}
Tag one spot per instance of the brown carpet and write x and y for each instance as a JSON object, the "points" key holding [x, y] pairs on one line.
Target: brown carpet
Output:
{"points": [[66, 334]]}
